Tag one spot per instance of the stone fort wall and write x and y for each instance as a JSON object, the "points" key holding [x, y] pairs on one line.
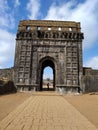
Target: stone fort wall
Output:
{"points": [[7, 73], [6, 81], [89, 79], [66, 36]]}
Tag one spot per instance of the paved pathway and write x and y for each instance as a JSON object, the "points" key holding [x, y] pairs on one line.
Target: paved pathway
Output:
{"points": [[46, 112]]}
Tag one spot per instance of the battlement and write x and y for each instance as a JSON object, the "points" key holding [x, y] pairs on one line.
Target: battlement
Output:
{"points": [[49, 25]]}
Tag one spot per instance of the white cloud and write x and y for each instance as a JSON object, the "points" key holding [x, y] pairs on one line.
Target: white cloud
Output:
{"points": [[7, 39], [33, 7], [17, 3], [6, 18], [93, 62], [85, 13], [7, 47]]}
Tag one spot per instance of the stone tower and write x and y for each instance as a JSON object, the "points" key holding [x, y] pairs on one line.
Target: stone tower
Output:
{"points": [[42, 43]]}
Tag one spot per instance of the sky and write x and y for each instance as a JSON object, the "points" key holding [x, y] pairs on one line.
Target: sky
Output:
{"points": [[84, 11]]}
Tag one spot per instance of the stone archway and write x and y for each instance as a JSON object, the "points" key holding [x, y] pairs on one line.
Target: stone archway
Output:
{"points": [[46, 61], [57, 44]]}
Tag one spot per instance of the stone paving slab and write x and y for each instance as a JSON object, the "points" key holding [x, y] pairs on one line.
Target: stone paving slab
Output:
{"points": [[46, 112]]}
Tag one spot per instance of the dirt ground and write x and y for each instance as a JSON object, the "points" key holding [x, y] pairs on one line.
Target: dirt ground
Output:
{"points": [[86, 104], [9, 102]]}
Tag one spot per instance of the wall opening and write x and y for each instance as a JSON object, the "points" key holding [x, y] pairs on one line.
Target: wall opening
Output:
{"points": [[47, 76]]}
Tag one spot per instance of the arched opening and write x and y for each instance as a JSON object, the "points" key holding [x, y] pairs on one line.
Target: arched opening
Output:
{"points": [[47, 78], [47, 65]]}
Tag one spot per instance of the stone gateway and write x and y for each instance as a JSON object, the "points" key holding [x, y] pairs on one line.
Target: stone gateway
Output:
{"points": [[42, 43], [57, 44]]}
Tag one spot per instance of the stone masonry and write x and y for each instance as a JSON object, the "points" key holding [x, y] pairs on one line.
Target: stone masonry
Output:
{"points": [[7, 73], [57, 44], [90, 80]]}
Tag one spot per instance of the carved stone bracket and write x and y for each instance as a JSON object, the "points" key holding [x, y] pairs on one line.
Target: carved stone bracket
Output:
{"points": [[49, 34]]}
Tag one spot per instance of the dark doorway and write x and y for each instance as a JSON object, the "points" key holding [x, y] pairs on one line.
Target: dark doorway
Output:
{"points": [[51, 82]]}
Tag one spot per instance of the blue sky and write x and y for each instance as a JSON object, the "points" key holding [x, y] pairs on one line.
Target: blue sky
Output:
{"points": [[84, 11]]}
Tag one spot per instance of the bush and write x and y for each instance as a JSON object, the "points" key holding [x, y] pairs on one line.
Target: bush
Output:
{"points": [[7, 87]]}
